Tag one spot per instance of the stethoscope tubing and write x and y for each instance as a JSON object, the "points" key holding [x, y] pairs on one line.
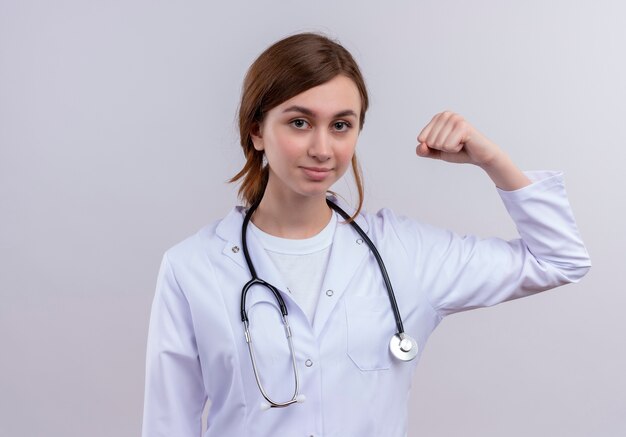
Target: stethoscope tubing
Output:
{"points": [[381, 264], [255, 279], [401, 345], [281, 303]]}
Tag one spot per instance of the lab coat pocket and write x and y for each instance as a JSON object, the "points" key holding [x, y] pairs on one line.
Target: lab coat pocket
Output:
{"points": [[369, 324]]}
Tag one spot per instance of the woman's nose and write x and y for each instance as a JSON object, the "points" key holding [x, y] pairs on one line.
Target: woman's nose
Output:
{"points": [[320, 147]]}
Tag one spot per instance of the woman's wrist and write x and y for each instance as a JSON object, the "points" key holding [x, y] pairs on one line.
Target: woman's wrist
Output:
{"points": [[504, 173]]}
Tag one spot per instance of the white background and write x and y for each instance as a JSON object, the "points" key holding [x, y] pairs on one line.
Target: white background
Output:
{"points": [[117, 133]]}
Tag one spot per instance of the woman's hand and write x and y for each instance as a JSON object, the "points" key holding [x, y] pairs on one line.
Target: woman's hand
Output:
{"points": [[451, 138]]}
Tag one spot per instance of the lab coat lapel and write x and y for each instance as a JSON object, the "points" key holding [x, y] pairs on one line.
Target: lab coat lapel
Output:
{"points": [[347, 254], [229, 229]]}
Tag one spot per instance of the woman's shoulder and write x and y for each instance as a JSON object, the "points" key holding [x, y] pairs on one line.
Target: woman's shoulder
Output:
{"points": [[212, 236], [393, 229], [387, 219], [376, 221]]}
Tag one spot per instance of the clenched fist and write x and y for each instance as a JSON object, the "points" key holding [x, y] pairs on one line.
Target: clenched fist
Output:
{"points": [[449, 137]]}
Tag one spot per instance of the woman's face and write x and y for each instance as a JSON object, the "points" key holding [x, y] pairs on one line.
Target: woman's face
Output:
{"points": [[309, 139]]}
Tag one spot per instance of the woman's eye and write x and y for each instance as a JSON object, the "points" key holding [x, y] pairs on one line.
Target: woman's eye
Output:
{"points": [[341, 125], [299, 123]]}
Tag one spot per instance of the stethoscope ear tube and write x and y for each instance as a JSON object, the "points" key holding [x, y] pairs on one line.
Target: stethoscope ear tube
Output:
{"points": [[261, 282], [296, 397]]}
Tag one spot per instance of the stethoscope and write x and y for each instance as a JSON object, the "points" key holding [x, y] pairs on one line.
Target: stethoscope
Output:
{"points": [[401, 345]]}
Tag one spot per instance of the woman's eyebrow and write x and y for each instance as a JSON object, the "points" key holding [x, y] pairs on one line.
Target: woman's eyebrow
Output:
{"points": [[310, 113]]}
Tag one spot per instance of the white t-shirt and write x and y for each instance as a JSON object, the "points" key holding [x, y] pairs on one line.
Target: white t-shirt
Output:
{"points": [[302, 263]]}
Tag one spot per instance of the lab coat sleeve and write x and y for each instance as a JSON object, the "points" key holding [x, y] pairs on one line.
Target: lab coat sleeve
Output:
{"points": [[466, 272], [174, 392]]}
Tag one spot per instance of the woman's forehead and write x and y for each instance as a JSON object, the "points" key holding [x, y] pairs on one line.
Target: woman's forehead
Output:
{"points": [[338, 96]]}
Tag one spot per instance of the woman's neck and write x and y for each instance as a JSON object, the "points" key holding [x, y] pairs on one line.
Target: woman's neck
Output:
{"points": [[294, 217]]}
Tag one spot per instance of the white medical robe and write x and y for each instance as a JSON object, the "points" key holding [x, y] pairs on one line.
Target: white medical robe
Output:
{"points": [[353, 386]]}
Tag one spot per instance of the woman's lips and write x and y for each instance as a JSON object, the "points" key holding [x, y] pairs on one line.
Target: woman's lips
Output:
{"points": [[316, 173]]}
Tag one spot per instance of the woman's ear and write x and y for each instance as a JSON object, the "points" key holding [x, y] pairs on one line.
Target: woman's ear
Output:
{"points": [[257, 138]]}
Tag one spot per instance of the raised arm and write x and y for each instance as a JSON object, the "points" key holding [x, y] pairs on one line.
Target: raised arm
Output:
{"points": [[473, 272]]}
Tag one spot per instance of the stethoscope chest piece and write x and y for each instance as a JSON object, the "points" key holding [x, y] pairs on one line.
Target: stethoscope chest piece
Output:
{"points": [[403, 347]]}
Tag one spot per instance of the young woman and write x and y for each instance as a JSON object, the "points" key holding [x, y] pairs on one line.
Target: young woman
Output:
{"points": [[340, 363]]}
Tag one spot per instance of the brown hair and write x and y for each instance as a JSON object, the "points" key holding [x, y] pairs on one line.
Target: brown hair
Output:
{"points": [[284, 70]]}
